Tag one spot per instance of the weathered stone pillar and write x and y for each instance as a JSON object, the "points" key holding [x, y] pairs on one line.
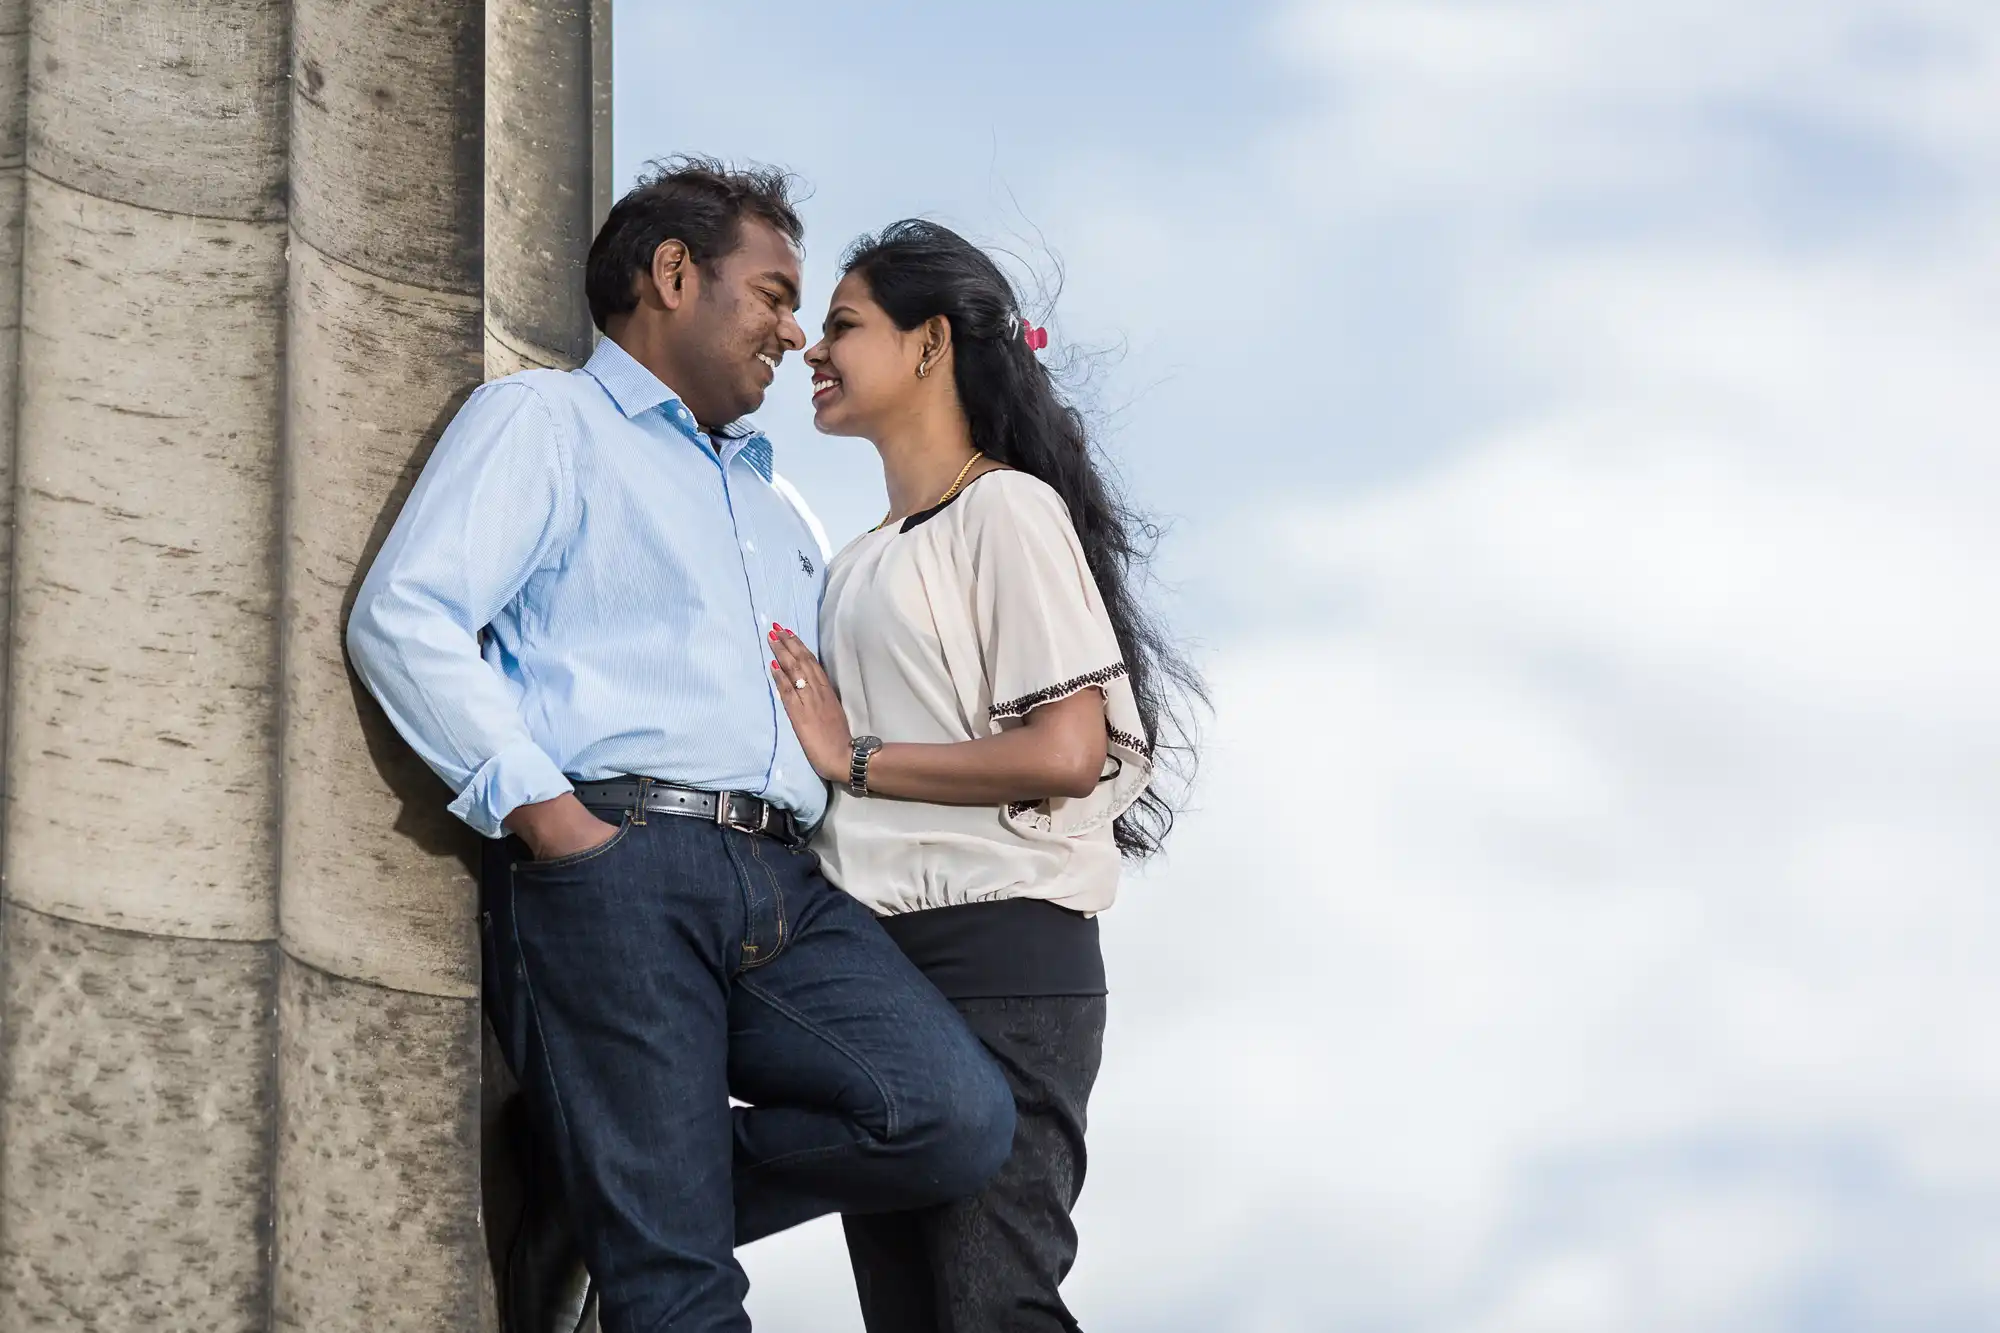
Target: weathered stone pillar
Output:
{"points": [[220, 410], [548, 176], [378, 1182], [13, 150], [140, 759], [604, 189]]}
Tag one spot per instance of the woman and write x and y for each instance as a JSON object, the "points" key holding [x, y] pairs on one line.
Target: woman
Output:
{"points": [[987, 712]]}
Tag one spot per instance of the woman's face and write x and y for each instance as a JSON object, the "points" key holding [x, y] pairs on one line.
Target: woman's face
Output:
{"points": [[864, 367]]}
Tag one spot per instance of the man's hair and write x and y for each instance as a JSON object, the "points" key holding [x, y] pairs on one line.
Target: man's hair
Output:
{"points": [[699, 201]]}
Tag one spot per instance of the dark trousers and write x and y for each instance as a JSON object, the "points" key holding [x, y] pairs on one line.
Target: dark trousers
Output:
{"points": [[638, 986], [993, 1262]]}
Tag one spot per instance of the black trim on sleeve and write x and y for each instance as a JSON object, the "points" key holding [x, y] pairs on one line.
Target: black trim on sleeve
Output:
{"points": [[1138, 745], [1027, 703]]}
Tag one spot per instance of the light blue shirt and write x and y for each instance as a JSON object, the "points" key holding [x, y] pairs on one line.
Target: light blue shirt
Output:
{"points": [[625, 569]]}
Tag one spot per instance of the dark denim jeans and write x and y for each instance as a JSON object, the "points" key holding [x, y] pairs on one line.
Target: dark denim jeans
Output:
{"points": [[638, 986]]}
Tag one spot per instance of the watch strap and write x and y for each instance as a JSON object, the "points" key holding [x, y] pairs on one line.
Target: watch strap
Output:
{"points": [[857, 769]]}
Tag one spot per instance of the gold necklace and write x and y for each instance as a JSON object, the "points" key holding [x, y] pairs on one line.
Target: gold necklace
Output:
{"points": [[957, 485]]}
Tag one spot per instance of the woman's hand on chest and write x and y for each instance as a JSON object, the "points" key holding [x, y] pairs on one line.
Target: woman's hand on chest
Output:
{"points": [[817, 717]]}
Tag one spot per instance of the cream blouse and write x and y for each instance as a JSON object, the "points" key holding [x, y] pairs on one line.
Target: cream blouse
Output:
{"points": [[954, 630]]}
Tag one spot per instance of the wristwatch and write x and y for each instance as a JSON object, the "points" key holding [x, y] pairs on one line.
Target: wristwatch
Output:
{"points": [[857, 771]]}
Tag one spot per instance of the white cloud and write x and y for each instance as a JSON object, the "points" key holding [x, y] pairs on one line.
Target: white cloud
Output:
{"points": [[1611, 845], [1544, 861], [1567, 99]]}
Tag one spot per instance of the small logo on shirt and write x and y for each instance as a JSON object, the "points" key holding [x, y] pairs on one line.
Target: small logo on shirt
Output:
{"points": [[804, 563]]}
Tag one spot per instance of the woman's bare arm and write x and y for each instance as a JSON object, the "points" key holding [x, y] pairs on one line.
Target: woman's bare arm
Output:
{"points": [[1059, 750]]}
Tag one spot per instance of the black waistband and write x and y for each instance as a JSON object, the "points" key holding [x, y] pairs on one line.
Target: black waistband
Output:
{"points": [[1011, 947], [730, 809]]}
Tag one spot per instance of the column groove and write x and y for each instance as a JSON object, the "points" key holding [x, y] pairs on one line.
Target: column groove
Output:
{"points": [[377, 1211]]}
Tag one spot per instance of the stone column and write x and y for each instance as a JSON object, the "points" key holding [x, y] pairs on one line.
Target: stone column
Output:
{"points": [[548, 146], [604, 189], [378, 1181], [140, 757], [13, 151]]}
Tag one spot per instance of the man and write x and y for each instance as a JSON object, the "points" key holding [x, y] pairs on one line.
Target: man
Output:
{"points": [[658, 937]]}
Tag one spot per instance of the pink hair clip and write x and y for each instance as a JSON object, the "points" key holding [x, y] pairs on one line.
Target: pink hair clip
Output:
{"points": [[1036, 338]]}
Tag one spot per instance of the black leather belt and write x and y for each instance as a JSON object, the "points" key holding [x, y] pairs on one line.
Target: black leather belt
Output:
{"points": [[730, 809]]}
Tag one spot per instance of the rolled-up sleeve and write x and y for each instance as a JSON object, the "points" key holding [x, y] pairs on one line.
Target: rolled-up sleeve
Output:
{"points": [[496, 502]]}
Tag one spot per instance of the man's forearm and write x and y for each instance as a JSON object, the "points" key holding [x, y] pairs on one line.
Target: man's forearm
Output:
{"points": [[413, 634], [426, 672]]}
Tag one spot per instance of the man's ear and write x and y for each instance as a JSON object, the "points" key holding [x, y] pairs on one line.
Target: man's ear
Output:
{"points": [[673, 275]]}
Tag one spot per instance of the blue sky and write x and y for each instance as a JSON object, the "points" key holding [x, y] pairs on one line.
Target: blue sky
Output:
{"points": [[1009, 149], [1576, 421]]}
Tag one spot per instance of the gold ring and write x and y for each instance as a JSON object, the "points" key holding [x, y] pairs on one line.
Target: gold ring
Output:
{"points": [[800, 682]]}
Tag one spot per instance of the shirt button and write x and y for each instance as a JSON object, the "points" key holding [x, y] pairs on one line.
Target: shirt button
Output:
{"points": [[750, 546]]}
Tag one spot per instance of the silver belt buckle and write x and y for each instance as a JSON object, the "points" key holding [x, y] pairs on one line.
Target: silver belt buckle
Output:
{"points": [[722, 815]]}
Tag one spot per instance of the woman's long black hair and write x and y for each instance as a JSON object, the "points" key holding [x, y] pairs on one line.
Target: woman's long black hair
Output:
{"points": [[918, 270]]}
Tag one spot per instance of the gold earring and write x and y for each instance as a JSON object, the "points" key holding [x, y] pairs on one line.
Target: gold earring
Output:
{"points": [[923, 369]]}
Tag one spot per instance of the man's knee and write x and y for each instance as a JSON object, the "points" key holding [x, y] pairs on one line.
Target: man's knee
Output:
{"points": [[964, 1133]]}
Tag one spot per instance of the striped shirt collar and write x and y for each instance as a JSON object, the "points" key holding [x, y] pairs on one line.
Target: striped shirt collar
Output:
{"points": [[636, 390]]}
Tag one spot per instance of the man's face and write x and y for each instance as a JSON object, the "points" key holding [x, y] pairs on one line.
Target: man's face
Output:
{"points": [[740, 325]]}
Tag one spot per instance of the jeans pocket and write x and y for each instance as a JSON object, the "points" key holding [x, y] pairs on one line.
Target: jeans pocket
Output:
{"points": [[610, 844]]}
